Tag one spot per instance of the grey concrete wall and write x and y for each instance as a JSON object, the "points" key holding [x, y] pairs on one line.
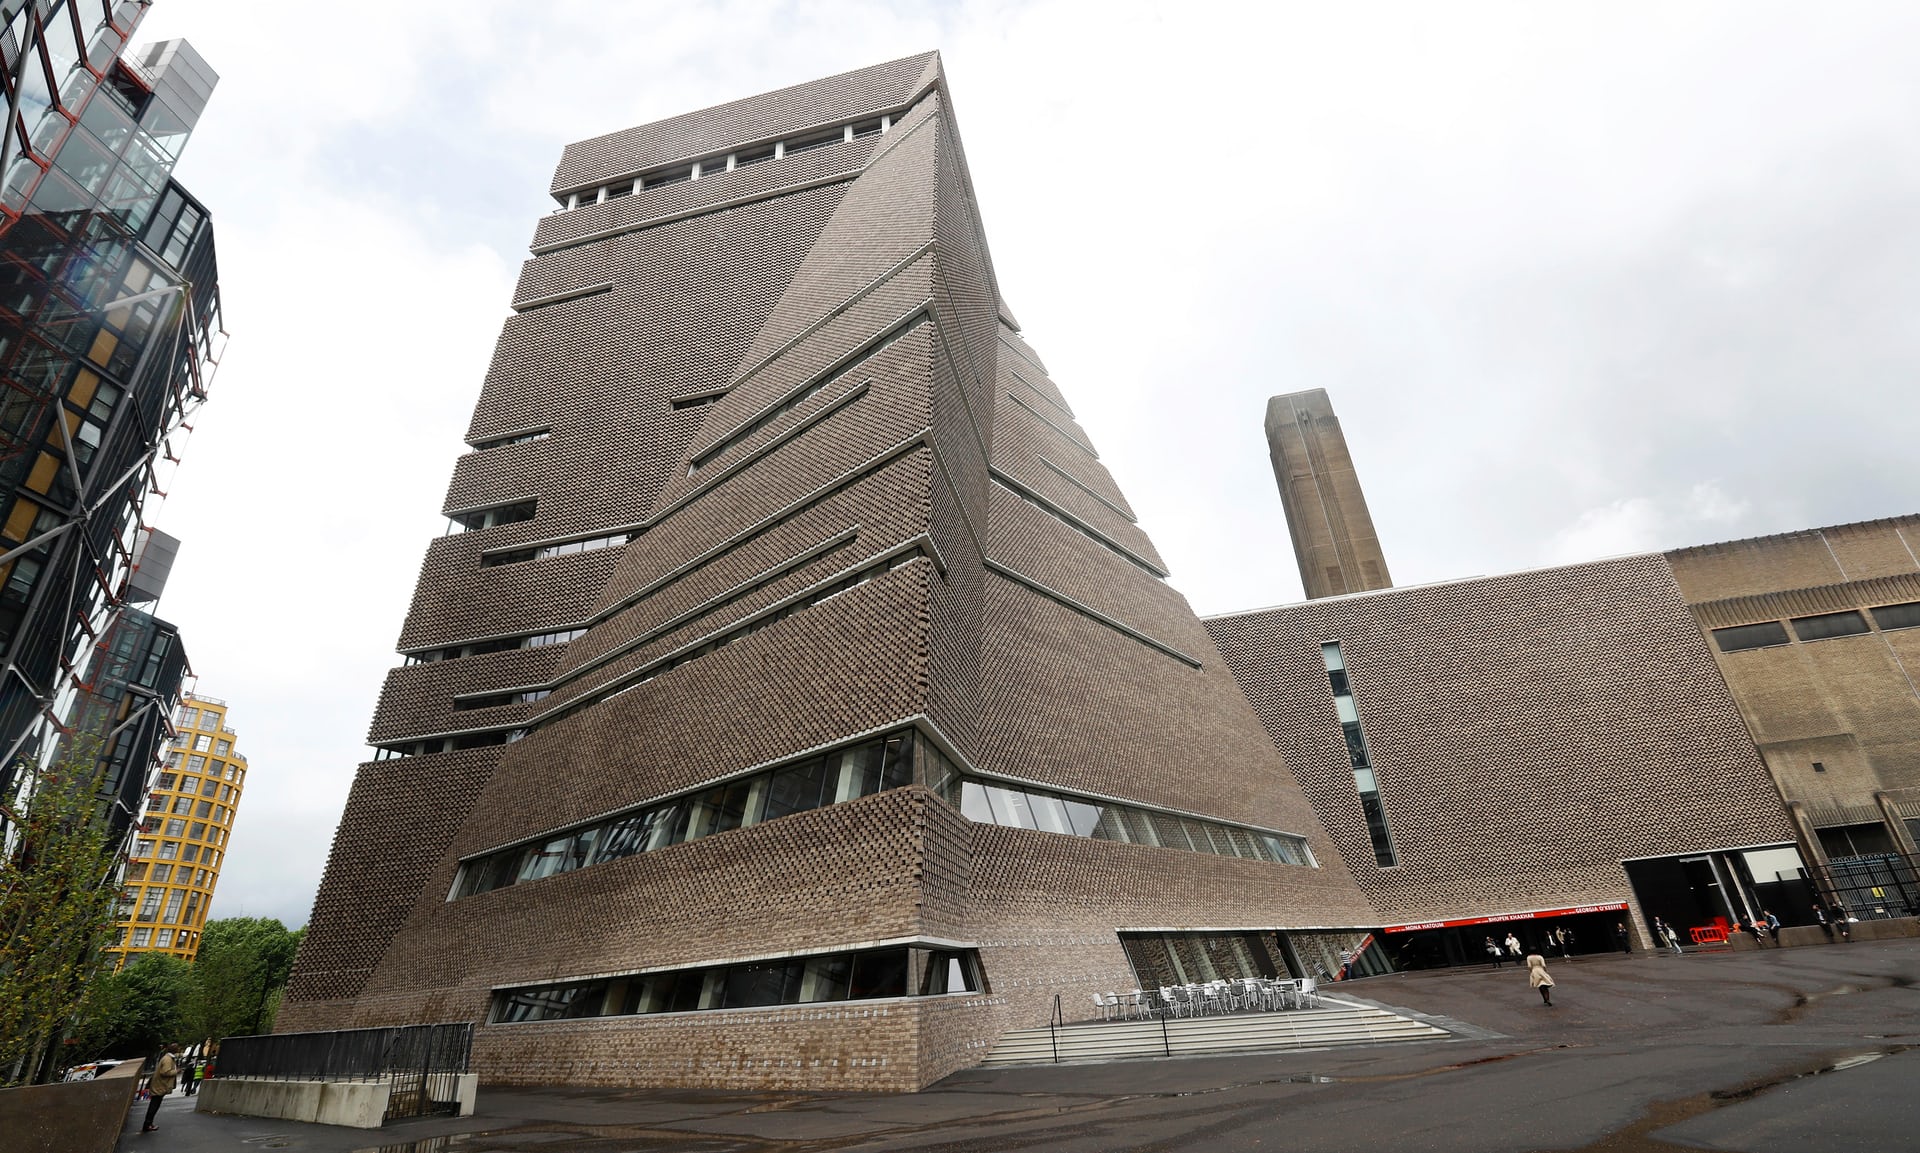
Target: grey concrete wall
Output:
{"points": [[1797, 935], [70, 1117]]}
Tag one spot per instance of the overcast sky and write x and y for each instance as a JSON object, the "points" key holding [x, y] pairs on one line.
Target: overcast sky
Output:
{"points": [[1581, 279]]}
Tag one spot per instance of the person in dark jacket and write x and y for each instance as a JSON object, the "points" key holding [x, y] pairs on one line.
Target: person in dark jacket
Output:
{"points": [[1620, 937]]}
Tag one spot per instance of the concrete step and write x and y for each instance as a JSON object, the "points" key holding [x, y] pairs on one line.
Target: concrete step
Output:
{"points": [[1335, 1023]]}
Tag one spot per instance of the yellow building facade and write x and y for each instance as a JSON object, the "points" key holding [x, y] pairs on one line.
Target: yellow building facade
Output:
{"points": [[182, 839]]}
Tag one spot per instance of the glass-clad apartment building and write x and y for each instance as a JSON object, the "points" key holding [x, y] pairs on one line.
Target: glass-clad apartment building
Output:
{"points": [[109, 326]]}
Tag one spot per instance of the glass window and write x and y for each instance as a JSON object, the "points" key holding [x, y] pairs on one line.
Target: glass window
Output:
{"points": [[1904, 616], [973, 803], [196, 764], [1112, 826], [797, 788], [106, 120], [1049, 813], [36, 95], [83, 158], [60, 200], [165, 127], [881, 973], [493, 871], [70, 80], [561, 854], [1010, 808], [1083, 818], [202, 743], [199, 831], [627, 836], [1171, 831], [1740, 638], [948, 972], [1816, 628], [826, 978], [763, 983], [176, 828], [1140, 827]]}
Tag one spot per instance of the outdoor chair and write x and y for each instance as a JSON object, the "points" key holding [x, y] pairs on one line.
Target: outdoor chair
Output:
{"points": [[1309, 992], [1105, 1004]]}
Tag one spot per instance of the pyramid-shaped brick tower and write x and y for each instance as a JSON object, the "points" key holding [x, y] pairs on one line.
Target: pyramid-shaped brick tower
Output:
{"points": [[803, 706]]}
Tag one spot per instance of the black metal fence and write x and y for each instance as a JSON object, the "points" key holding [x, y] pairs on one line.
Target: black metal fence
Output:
{"points": [[1876, 887], [423, 1062]]}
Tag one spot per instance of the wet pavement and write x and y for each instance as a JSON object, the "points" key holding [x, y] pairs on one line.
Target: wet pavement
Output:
{"points": [[1793, 1049]]}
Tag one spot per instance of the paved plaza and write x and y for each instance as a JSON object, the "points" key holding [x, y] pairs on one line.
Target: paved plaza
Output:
{"points": [[1789, 1049]]}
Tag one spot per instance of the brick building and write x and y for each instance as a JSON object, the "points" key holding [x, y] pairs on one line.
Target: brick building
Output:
{"points": [[1523, 752], [800, 703]]}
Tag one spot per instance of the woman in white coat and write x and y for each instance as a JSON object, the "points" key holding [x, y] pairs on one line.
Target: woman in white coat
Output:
{"points": [[1538, 978]]}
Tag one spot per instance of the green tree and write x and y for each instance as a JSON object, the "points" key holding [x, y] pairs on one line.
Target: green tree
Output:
{"points": [[58, 891], [135, 1011], [239, 971]]}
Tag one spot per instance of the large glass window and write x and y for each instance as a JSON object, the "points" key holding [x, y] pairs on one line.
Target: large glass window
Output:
{"points": [[870, 974], [815, 782], [1026, 807]]}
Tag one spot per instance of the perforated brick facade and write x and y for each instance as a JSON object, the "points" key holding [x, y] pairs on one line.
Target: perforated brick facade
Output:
{"points": [[777, 380]]}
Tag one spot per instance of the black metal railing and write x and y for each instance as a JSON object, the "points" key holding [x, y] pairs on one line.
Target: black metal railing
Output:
{"points": [[1875, 887], [423, 1062]]}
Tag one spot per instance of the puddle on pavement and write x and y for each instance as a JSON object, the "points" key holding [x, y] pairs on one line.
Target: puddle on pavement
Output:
{"points": [[1638, 1137]]}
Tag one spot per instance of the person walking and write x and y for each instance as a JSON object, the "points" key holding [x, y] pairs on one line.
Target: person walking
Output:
{"points": [[187, 1082], [1673, 939], [1620, 936], [166, 1074], [1538, 978], [1513, 946], [1493, 950]]}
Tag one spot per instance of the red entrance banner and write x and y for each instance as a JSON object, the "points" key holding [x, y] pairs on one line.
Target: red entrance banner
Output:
{"points": [[1535, 915]]}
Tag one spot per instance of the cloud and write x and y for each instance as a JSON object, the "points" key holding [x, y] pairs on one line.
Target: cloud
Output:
{"points": [[1580, 278]]}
